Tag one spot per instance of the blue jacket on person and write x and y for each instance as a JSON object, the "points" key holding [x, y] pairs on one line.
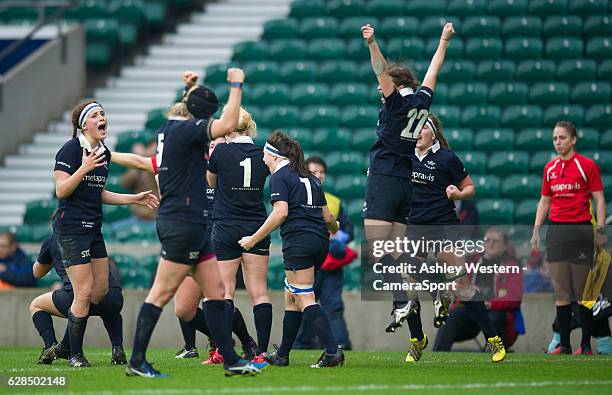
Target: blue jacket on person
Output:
{"points": [[18, 270]]}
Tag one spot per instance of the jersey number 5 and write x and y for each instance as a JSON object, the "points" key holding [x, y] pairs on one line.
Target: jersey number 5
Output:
{"points": [[246, 179], [160, 149], [306, 183], [413, 115]]}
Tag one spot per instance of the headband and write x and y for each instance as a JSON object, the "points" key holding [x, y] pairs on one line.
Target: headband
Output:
{"points": [[270, 149], [432, 127], [86, 111]]}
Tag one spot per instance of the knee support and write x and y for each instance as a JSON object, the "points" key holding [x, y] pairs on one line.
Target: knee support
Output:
{"points": [[298, 289]]}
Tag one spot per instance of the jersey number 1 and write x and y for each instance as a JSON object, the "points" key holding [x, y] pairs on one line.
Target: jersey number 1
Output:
{"points": [[246, 179], [413, 114], [306, 183]]}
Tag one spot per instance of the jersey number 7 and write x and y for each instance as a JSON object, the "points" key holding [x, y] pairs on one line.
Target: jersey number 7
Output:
{"points": [[413, 115]]}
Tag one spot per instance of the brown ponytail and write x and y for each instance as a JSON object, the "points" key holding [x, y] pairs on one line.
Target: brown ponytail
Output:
{"points": [[439, 135], [76, 111], [291, 149]]}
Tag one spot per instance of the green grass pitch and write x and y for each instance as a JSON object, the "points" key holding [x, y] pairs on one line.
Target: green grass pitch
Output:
{"points": [[363, 373]]}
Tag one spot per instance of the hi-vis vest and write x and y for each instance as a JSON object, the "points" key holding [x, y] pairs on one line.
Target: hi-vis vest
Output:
{"points": [[333, 204]]}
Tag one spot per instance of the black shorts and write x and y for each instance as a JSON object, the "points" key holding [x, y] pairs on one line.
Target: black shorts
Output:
{"points": [[227, 234], [388, 198], [572, 242], [184, 242], [304, 250], [62, 300], [110, 304], [436, 235], [80, 248]]}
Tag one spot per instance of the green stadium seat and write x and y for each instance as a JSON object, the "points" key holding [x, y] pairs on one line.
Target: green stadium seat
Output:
{"points": [[481, 26], [248, 51], [320, 116], [84, 10], [343, 8], [495, 211], [301, 71], [338, 71], [351, 27], [525, 211], [598, 26], [129, 11], [307, 8], [602, 158], [441, 94], [540, 159], [355, 211], [382, 8], [126, 140], [340, 163], [366, 74], [363, 139], [591, 92], [425, 7], [326, 49], [156, 118], [303, 136], [459, 138], [113, 184], [480, 117], [260, 72], [535, 70], [559, 48], [350, 187], [344, 94], [467, 7], [114, 213], [458, 70], [487, 186], [573, 113], [40, 232], [454, 51], [280, 28], [599, 116], [533, 139], [449, 115], [587, 7], [479, 48], [133, 233], [562, 26], [605, 142], [588, 139], [357, 50], [332, 139], [506, 8], [405, 48], [495, 70], [398, 26], [519, 48], [216, 73], [468, 93], [319, 27], [599, 48], [577, 70], [604, 71], [505, 93], [494, 139], [39, 211], [270, 94], [508, 163], [359, 116], [543, 93], [521, 116], [287, 50], [281, 117], [548, 7], [309, 94], [432, 26], [522, 26], [475, 162], [521, 187], [48, 280]]}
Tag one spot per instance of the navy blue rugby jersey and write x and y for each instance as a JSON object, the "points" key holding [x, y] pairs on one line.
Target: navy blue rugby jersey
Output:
{"points": [[82, 210], [430, 176], [49, 255], [181, 149], [241, 175], [305, 198], [400, 120], [210, 200]]}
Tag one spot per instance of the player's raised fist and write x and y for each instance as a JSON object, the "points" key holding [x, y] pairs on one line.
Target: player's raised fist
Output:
{"points": [[190, 78], [448, 31], [234, 74], [368, 33]]}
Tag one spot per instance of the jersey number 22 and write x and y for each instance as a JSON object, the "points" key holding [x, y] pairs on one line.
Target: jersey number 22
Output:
{"points": [[413, 115]]}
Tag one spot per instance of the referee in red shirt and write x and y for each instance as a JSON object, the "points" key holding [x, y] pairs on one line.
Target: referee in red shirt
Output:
{"points": [[569, 181]]}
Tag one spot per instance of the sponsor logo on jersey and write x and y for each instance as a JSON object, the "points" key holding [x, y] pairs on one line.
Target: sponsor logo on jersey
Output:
{"points": [[63, 164], [419, 177], [431, 165]]}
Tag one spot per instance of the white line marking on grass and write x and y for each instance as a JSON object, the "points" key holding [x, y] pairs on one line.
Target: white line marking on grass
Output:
{"points": [[357, 388]]}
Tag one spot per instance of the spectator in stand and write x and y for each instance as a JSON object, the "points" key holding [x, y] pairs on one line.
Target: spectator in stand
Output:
{"points": [[15, 266]]}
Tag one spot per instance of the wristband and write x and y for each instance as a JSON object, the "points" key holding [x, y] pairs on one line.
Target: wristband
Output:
{"points": [[442, 38], [236, 85]]}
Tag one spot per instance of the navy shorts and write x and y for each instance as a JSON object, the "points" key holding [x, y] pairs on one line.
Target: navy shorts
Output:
{"points": [[111, 303], [80, 248], [227, 234], [184, 242], [304, 250], [388, 198], [572, 242]]}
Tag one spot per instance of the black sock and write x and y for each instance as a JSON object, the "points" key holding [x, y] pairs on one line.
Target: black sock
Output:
{"points": [[189, 334], [216, 317], [198, 323], [478, 312], [262, 314], [291, 326], [114, 326], [415, 325], [65, 343], [147, 319], [315, 318], [564, 316], [239, 327], [76, 332], [44, 324], [586, 323], [399, 296]]}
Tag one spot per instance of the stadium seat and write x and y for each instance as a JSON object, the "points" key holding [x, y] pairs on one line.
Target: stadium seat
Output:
{"points": [[588, 139], [599, 48], [494, 139], [521, 187], [319, 27], [398, 26], [351, 27], [525, 211], [359, 117], [248, 51], [468, 93], [83, 10], [544, 93], [425, 7], [587, 7], [604, 71], [281, 117], [405, 48], [467, 7], [599, 116], [521, 116], [598, 26], [495, 70], [320, 116], [480, 117], [156, 118], [303, 136], [441, 94], [286, 50], [326, 49], [351, 186], [366, 74], [605, 142], [475, 162], [577, 70], [449, 115], [344, 94], [382, 8], [216, 73], [280, 28], [548, 7], [458, 70], [495, 211], [481, 26], [562, 26], [479, 48], [432, 26], [340, 163], [363, 139], [556, 113], [309, 94], [459, 138], [338, 71], [540, 159], [524, 48], [487, 186], [307, 8], [113, 184], [343, 8], [155, 13], [591, 92], [355, 211], [357, 50], [260, 72], [534, 140], [535, 70], [602, 158], [270, 94], [505, 93], [559, 48], [508, 163], [522, 26], [301, 71], [506, 8], [39, 211], [114, 213]]}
